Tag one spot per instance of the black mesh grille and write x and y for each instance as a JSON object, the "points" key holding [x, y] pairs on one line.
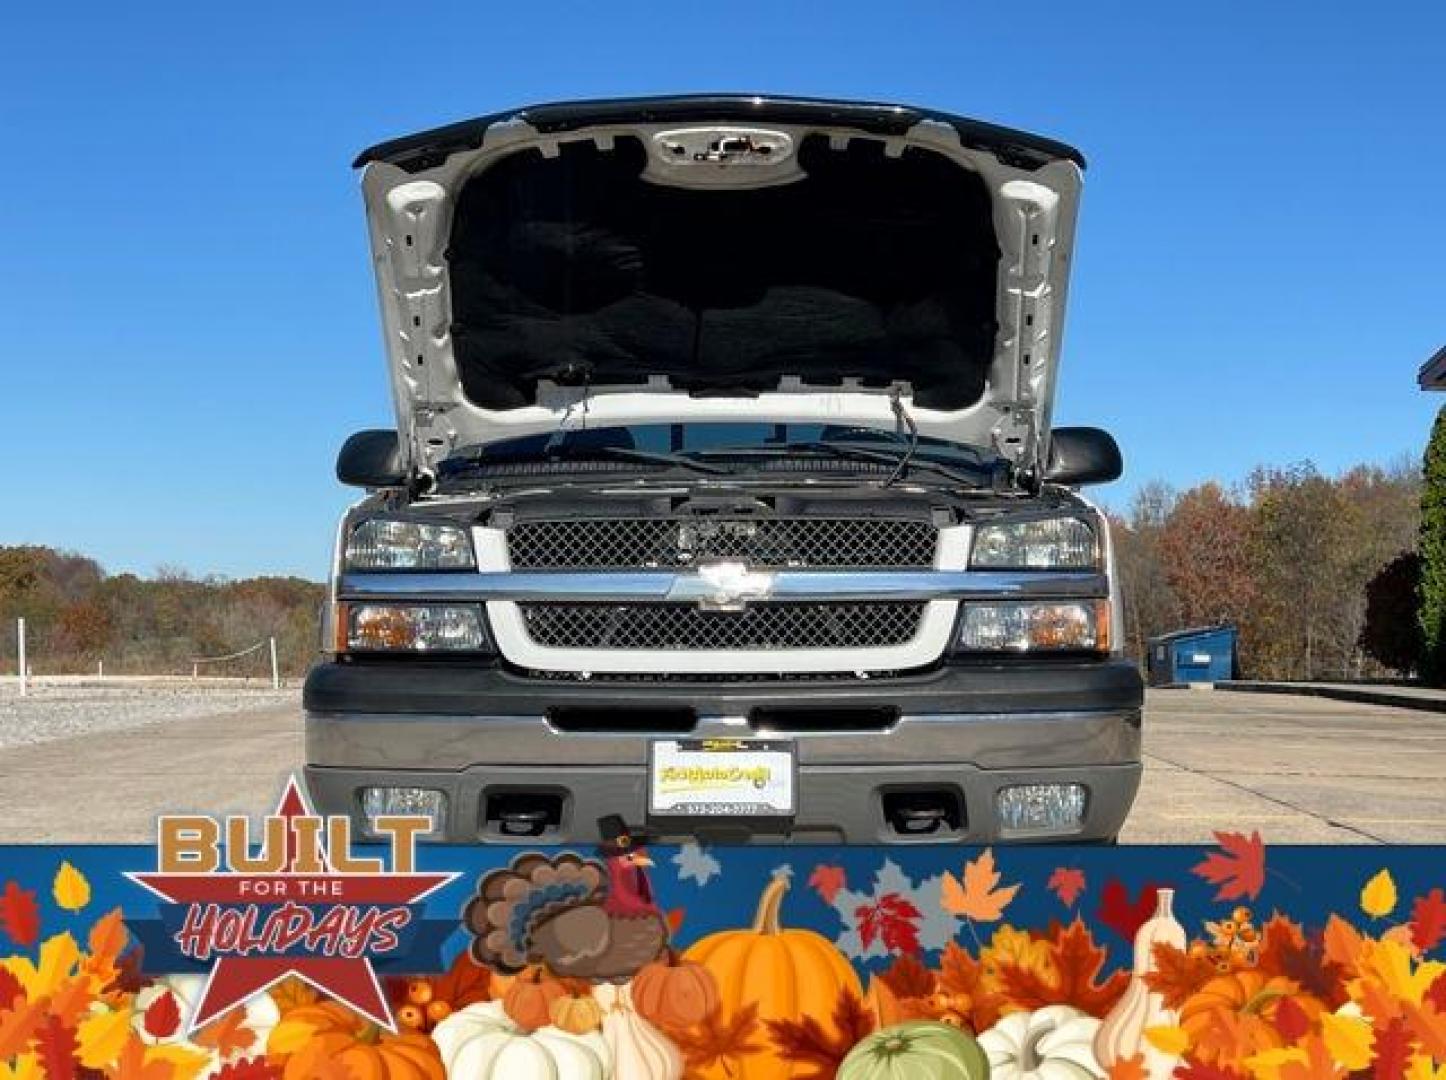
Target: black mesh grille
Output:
{"points": [[629, 543], [759, 626]]}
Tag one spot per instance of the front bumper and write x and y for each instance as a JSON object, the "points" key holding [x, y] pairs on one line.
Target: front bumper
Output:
{"points": [[476, 733]]}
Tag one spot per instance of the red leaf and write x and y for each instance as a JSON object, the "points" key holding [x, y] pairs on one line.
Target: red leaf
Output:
{"points": [[1199, 1071], [163, 1017], [19, 915], [1394, 1046], [907, 977], [1428, 920], [827, 881], [1067, 882], [252, 1068], [1120, 914], [10, 989], [892, 920], [675, 920], [1291, 1020], [1238, 868], [56, 1047], [1436, 994]]}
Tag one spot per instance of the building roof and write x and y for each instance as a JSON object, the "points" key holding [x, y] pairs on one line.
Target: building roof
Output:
{"points": [[1196, 631], [1433, 372]]}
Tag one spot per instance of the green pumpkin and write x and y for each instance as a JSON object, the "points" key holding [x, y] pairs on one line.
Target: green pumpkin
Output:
{"points": [[919, 1050]]}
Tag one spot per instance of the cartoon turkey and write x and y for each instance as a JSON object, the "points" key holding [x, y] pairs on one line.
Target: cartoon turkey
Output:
{"points": [[581, 918]]}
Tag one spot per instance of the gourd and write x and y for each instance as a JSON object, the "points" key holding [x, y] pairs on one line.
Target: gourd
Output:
{"points": [[576, 1014], [1122, 1035], [674, 992], [529, 999], [330, 1033], [481, 1042], [638, 1049], [1053, 1043], [918, 1049], [786, 973]]}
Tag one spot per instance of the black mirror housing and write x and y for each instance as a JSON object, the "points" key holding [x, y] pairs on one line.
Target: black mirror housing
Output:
{"points": [[371, 459], [1083, 455]]}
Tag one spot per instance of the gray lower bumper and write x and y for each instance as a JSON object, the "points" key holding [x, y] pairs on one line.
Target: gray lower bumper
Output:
{"points": [[843, 776]]}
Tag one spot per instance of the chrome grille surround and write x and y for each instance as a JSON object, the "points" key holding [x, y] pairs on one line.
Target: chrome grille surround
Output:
{"points": [[767, 625], [765, 543]]}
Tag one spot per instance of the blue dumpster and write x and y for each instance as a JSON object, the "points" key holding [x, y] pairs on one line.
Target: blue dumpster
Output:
{"points": [[1205, 654]]}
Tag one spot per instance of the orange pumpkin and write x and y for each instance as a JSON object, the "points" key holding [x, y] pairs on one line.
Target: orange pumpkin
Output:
{"points": [[675, 993], [529, 999], [1250, 1000], [788, 974], [327, 1032]]}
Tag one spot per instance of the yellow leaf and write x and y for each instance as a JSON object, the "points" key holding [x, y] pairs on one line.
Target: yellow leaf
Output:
{"points": [[1171, 1041], [1421, 1068], [71, 890], [27, 1067], [289, 1036], [977, 898], [1378, 898], [1348, 1040], [185, 1064], [58, 957], [102, 1037], [1390, 963], [1267, 1064]]}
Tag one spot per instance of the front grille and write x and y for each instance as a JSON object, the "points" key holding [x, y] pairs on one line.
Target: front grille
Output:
{"points": [[630, 543], [758, 626]]}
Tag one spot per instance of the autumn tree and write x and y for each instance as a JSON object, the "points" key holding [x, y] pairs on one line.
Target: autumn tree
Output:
{"points": [[1204, 547], [1433, 556], [1391, 635]]}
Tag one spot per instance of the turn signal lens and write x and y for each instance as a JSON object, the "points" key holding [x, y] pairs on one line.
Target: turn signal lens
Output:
{"points": [[1080, 625], [414, 628]]}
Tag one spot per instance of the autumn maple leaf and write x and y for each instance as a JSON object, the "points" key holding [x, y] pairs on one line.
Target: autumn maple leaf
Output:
{"points": [[977, 896], [1077, 961], [1238, 868], [1428, 920], [907, 977], [1123, 915], [809, 1042], [1178, 974], [1067, 882], [892, 919], [1130, 1068], [716, 1044], [253, 1068], [19, 915], [827, 881]]}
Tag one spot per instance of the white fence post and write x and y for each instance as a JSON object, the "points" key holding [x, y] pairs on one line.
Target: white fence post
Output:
{"points": [[275, 671], [100, 669], [24, 664]]}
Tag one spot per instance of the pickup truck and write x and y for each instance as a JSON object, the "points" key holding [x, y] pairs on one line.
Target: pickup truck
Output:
{"points": [[724, 495]]}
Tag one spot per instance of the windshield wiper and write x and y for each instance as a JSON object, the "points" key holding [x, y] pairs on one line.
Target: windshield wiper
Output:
{"points": [[850, 452], [562, 452]]}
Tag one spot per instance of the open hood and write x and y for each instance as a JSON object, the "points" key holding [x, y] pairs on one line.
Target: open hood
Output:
{"points": [[721, 259]]}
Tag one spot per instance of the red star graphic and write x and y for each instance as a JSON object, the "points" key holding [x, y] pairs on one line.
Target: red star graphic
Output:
{"points": [[234, 979]]}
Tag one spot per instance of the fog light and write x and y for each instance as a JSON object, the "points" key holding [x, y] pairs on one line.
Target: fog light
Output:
{"points": [[1041, 807], [405, 802]]}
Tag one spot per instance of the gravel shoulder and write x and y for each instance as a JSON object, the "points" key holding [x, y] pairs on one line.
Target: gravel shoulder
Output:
{"points": [[51, 712]]}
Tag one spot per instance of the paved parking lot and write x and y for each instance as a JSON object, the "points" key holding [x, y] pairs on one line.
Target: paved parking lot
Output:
{"points": [[1301, 770]]}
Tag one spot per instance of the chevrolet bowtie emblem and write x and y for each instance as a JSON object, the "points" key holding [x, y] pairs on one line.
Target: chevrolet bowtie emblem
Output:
{"points": [[723, 586]]}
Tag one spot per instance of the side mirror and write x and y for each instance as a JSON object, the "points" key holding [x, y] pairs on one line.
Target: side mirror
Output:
{"points": [[1083, 455], [371, 459]]}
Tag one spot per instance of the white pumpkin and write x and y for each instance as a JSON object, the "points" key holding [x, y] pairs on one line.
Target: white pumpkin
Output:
{"points": [[1053, 1043], [262, 1015], [640, 1051], [481, 1042]]}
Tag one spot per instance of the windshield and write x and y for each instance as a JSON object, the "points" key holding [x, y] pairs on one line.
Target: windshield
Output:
{"points": [[725, 448]]}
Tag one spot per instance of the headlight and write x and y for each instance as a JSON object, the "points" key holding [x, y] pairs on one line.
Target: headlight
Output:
{"points": [[1077, 625], [414, 628], [379, 544], [1050, 544]]}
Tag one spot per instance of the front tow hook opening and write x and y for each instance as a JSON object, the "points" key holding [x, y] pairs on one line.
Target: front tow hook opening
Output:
{"points": [[931, 812]]}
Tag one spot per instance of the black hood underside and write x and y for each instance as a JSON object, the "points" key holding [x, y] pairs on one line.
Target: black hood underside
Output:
{"points": [[870, 270]]}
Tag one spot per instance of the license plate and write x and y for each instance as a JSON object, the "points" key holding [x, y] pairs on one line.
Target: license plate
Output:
{"points": [[736, 778]]}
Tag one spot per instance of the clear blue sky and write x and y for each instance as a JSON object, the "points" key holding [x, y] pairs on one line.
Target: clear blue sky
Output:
{"points": [[188, 327]]}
